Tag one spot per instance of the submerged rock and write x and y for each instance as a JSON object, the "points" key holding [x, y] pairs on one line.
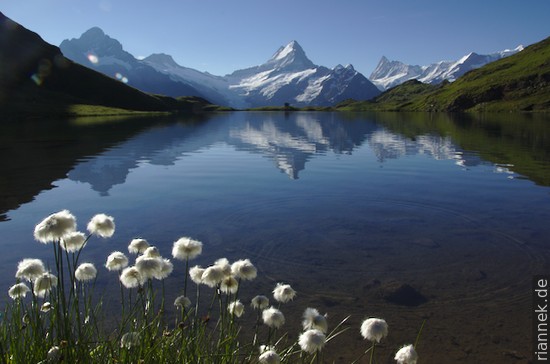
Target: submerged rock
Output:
{"points": [[403, 294]]}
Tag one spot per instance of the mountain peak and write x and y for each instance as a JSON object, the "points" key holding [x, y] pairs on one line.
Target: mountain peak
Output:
{"points": [[94, 32], [291, 56], [161, 59]]}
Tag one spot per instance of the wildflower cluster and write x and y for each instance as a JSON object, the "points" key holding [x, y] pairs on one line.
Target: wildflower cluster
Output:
{"points": [[61, 322]]}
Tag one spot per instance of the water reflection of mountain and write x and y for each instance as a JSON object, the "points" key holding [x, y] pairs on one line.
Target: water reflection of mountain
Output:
{"points": [[161, 145], [104, 154], [291, 142], [388, 145], [37, 153]]}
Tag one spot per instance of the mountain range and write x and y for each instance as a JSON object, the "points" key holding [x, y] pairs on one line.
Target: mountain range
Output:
{"points": [[289, 76], [388, 74], [520, 82], [37, 80]]}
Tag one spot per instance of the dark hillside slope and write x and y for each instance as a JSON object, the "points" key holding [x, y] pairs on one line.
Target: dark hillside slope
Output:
{"points": [[35, 76]]}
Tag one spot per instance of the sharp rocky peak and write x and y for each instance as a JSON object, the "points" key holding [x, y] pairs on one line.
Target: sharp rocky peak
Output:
{"points": [[291, 55]]}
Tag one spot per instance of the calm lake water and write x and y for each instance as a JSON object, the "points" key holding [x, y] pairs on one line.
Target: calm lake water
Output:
{"points": [[402, 216]]}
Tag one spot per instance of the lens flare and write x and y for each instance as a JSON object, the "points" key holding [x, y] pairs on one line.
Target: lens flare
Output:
{"points": [[93, 58], [121, 78]]}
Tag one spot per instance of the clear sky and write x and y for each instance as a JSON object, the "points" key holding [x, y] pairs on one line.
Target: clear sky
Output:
{"points": [[220, 36]]}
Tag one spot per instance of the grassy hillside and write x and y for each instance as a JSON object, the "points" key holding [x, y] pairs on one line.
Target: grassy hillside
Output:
{"points": [[37, 80], [517, 83]]}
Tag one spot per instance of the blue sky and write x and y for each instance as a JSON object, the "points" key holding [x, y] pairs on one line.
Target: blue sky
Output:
{"points": [[220, 36]]}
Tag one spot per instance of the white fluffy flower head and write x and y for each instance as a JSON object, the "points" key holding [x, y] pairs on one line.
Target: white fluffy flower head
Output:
{"points": [[196, 273], [314, 320], [406, 355], [85, 272], [212, 276], [116, 261], [268, 355], [102, 225], [18, 290], [44, 284], [273, 317], [73, 241], [244, 269], [138, 246], [182, 302], [283, 293], [312, 341], [131, 278], [149, 267], [166, 268], [374, 329], [30, 269], [260, 302], [236, 308], [229, 285], [55, 227], [186, 248]]}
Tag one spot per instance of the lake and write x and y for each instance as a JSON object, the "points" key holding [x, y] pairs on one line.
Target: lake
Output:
{"points": [[409, 217]]}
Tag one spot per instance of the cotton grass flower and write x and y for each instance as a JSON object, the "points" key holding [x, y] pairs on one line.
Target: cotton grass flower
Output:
{"points": [[244, 269], [138, 246], [73, 241], [131, 278], [148, 267], [312, 319], [18, 290], [406, 355], [196, 273], [85, 272], [55, 227], [151, 252], [212, 276], [182, 302], [268, 355], [44, 284], [186, 248], [102, 225], [229, 285], [374, 329], [116, 261], [224, 265], [312, 341], [273, 317], [283, 293], [236, 308], [166, 268], [260, 302], [130, 339], [30, 269]]}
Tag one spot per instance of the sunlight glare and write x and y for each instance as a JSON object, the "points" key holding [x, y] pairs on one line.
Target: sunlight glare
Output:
{"points": [[93, 58]]}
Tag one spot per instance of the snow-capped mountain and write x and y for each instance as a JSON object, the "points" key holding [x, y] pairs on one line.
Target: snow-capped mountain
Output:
{"points": [[96, 50], [290, 77], [392, 73], [287, 77], [216, 89]]}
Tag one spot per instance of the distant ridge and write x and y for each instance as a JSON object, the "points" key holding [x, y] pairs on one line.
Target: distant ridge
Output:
{"points": [[520, 82], [388, 74]]}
